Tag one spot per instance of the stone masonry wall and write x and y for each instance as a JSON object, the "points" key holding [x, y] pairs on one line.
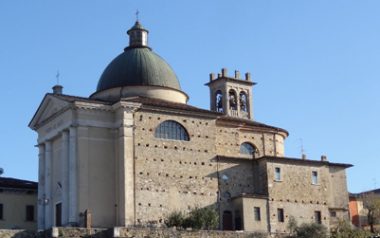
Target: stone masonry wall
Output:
{"points": [[172, 174], [179, 175], [338, 190], [296, 183], [122, 232], [229, 139], [296, 194]]}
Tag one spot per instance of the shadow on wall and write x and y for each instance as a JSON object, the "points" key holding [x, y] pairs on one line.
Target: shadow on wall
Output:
{"points": [[236, 177]]}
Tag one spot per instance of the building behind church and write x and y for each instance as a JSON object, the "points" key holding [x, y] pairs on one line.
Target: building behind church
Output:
{"points": [[135, 151], [18, 202]]}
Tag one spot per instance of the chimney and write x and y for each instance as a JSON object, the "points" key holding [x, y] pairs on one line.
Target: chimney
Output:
{"points": [[237, 74], [212, 77], [323, 158], [224, 72], [57, 89], [248, 76], [304, 157]]}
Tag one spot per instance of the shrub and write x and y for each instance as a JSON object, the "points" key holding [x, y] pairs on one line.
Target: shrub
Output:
{"points": [[346, 230], [175, 218], [198, 218], [257, 235], [312, 230]]}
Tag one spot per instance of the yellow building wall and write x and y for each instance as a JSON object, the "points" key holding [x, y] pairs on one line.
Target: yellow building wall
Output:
{"points": [[14, 210]]}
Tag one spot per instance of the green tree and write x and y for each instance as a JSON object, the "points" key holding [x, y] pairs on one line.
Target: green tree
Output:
{"points": [[203, 218], [346, 230], [292, 225], [371, 202]]}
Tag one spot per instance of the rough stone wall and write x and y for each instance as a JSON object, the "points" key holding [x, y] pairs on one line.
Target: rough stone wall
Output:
{"points": [[250, 224], [338, 189], [260, 182], [338, 195], [172, 174], [296, 183], [295, 194], [163, 233], [123, 232], [236, 178], [302, 212], [229, 139], [179, 175]]}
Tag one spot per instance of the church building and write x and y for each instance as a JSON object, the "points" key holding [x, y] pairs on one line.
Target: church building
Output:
{"points": [[134, 151]]}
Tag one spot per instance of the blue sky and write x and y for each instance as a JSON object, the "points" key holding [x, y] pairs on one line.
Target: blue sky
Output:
{"points": [[316, 64]]}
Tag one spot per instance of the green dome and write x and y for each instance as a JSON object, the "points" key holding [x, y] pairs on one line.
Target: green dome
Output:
{"points": [[138, 67]]}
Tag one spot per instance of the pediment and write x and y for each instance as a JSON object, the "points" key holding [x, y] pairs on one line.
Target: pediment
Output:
{"points": [[49, 107]]}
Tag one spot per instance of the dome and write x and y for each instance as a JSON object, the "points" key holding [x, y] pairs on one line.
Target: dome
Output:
{"points": [[138, 71], [138, 67]]}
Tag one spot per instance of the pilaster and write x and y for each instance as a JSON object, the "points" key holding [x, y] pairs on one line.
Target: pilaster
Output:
{"points": [[48, 195], [126, 170], [65, 176], [73, 196], [41, 188]]}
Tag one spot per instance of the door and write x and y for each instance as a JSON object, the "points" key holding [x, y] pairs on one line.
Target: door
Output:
{"points": [[58, 214], [227, 220]]}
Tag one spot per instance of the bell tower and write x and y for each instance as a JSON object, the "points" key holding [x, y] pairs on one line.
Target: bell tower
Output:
{"points": [[231, 96]]}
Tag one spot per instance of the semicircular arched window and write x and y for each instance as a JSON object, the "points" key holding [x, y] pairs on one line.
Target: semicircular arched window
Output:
{"points": [[248, 149], [171, 130]]}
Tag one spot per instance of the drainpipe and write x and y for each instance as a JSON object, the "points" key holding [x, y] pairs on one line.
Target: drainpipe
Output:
{"points": [[218, 197]]}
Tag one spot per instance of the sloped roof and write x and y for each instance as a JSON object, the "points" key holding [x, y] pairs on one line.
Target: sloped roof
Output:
{"points": [[220, 117], [14, 183], [248, 122], [286, 160]]}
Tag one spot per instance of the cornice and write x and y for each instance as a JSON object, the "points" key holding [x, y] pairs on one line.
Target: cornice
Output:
{"points": [[52, 117], [91, 106], [251, 127], [126, 106], [74, 106], [208, 115]]}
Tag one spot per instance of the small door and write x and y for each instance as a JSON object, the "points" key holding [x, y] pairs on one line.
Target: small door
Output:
{"points": [[238, 226], [58, 214], [227, 221]]}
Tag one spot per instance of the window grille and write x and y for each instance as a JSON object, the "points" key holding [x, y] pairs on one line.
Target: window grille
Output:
{"points": [[257, 213], [171, 130], [247, 149], [29, 212]]}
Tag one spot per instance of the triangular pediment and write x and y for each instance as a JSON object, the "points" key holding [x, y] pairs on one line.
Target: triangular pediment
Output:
{"points": [[48, 108]]}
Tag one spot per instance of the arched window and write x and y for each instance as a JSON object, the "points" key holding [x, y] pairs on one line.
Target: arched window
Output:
{"points": [[219, 101], [233, 100], [171, 130], [247, 149], [243, 101]]}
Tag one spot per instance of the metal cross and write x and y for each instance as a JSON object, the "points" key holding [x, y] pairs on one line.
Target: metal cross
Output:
{"points": [[137, 14], [57, 76]]}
